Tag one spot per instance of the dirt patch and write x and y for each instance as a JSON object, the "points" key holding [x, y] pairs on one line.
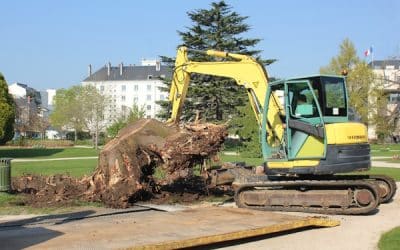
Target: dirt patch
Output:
{"points": [[126, 166], [53, 190]]}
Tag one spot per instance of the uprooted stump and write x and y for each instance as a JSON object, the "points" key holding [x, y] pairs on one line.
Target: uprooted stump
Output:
{"points": [[127, 163]]}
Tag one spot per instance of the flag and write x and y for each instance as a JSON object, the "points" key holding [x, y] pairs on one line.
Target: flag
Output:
{"points": [[368, 51]]}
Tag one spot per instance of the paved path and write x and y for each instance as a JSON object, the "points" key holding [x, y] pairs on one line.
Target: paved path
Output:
{"points": [[384, 164], [379, 161], [381, 157], [54, 159]]}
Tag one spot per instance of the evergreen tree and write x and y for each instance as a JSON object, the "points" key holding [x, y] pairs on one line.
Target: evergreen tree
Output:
{"points": [[7, 114], [218, 28], [248, 131]]}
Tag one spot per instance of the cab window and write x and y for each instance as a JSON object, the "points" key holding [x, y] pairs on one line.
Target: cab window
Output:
{"points": [[302, 101]]}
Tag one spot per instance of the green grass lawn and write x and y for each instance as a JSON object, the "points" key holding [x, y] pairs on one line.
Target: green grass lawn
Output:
{"points": [[385, 149], [76, 168], [236, 158], [390, 240], [46, 153], [392, 172], [384, 153], [385, 146]]}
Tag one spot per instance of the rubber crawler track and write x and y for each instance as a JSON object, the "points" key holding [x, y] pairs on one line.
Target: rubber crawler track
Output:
{"points": [[310, 184], [372, 178]]}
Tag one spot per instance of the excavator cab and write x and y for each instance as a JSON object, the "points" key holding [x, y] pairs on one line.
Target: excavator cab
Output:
{"points": [[314, 115]]}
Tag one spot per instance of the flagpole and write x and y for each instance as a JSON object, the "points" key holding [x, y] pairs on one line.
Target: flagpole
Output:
{"points": [[372, 57]]}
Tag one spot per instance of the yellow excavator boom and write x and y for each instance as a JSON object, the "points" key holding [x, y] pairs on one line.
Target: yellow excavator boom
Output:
{"points": [[245, 70]]}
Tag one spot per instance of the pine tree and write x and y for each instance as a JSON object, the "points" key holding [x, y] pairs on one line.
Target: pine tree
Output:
{"points": [[7, 114], [248, 131], [218, 28]]}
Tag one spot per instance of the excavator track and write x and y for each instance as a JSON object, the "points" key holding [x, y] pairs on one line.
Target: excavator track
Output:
{"points": [[389, 187], [386, 185], [310, 196]]}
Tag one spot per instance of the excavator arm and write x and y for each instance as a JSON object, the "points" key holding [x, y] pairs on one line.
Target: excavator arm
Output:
{"points": [[245, 70]]}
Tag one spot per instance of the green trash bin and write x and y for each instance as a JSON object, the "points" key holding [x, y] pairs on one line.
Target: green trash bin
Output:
{"points": [[5, 174]]}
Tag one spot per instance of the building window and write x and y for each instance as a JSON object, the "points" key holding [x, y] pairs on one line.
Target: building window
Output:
{"points": [[135, 99], [148, 98], [123, 98], [162, 97], [148, 117], [148, 87], [389, 66], [123, 88], [394, 97], [136, 88], [148, 107]]}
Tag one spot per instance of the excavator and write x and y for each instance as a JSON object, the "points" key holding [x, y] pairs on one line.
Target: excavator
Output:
{"points": [[307, 140]]}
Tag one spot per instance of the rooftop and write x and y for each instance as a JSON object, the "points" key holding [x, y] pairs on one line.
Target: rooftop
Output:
{"points": [[381, 64], [126, 73]]}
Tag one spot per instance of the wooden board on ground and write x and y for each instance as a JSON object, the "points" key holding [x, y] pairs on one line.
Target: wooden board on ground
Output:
{"points": [[156, 229]]}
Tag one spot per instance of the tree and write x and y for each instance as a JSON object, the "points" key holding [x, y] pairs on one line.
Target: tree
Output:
{"points": [[346, 59], [41, 123], [135, 114], [359, 84], [28, 114], [93, 104], [381, 117], [67, 112], [248, 131], [217, 28], [359, 77], [7, 114], [80, 108]]}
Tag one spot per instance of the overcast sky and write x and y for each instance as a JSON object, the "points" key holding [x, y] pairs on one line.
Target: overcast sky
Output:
{"points": [[49, 44]]}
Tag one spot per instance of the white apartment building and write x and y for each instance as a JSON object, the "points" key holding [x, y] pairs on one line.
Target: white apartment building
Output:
{"points": [[388, 73], [129, 85]]}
